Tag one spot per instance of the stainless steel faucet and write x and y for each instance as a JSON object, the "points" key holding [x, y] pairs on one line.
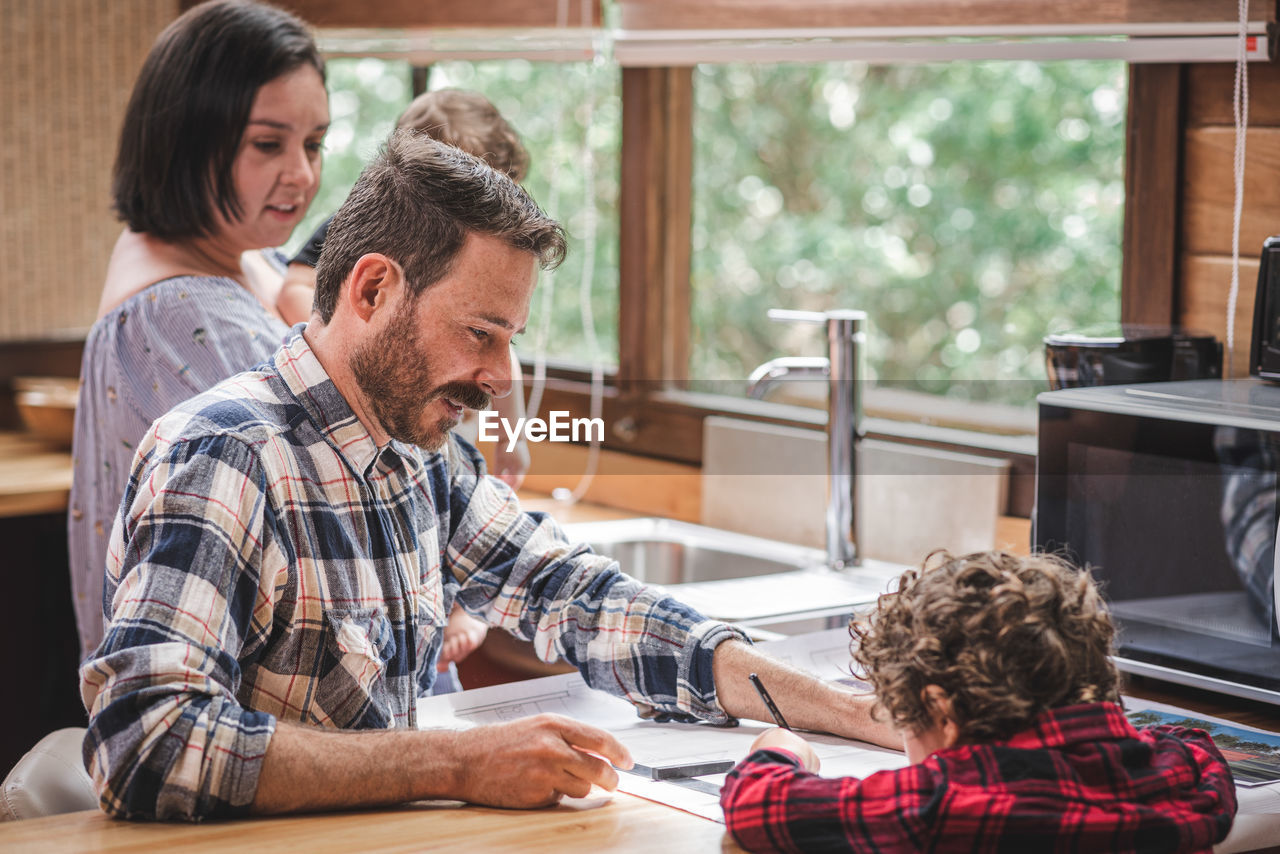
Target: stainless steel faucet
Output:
{"points": [[843, 369]]}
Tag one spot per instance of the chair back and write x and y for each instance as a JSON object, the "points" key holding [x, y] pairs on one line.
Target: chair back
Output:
{"points": [[49, 779]]}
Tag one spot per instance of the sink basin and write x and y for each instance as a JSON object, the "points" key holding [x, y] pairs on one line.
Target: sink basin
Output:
{"points": [[663, 551], [736, 577]]}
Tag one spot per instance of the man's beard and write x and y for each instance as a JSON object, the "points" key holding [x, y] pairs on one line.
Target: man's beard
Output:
{"points": [[392, 372]]}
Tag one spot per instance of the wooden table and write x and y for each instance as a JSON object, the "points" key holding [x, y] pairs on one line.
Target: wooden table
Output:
{"points": [[35, 476], [627, 824]]}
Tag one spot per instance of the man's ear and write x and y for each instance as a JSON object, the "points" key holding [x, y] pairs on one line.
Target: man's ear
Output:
{"points": [[374, 282], [939, 702]]}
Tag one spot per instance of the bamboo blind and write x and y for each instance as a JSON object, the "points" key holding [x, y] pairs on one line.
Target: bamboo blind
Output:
{"points": [[66, 69]]}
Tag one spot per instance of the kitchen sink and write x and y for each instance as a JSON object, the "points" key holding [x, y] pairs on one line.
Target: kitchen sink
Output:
{"points": [[664, 551], [736, 577]]}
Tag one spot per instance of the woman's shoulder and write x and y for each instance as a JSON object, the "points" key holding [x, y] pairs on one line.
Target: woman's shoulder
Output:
{"points": [[191, 320], [177, 338], [171, 298], [146, 270]]}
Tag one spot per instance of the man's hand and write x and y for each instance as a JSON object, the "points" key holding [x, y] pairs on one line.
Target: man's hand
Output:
{"points": [[784, 739], [463, 635], [531, 762]]}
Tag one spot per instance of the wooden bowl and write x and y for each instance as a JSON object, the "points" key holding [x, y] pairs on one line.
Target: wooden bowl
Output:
{"points": [[48, 407]]}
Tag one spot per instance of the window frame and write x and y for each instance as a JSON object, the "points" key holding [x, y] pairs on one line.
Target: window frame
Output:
{"points": [[645, 406]]}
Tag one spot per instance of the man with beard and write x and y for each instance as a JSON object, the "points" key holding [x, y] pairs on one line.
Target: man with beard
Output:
{"points": [[291, 541]]}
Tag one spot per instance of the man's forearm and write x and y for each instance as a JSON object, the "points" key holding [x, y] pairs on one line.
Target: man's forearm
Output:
{"points": [[529, 762], [804, 700], [309, 768]]}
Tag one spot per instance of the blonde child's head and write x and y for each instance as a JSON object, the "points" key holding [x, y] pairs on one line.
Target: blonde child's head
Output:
{"points": [[470, 121], [1004, 636]]}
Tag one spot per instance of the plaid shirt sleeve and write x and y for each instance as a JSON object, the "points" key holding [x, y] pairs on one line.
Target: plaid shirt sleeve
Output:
{"points": [[167, 738], [518, 572], [772, 804], [1192, 754]]}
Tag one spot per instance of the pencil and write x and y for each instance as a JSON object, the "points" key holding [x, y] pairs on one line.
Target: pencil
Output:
{"points": [[768, 702]]}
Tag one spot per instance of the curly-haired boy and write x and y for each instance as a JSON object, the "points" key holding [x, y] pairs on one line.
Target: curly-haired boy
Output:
{"points": [[995, 668]]}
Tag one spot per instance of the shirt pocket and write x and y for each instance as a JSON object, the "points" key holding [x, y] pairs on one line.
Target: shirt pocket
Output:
{"points": [[353, 691]]}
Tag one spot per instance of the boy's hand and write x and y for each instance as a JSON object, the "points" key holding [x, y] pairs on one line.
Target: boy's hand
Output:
{"points": [[463, 634], [297, 294], [785, 739], [510, 466]]}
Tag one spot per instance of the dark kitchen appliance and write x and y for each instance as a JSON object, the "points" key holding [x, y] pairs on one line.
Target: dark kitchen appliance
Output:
{"points": [[1168, 491], [1264, 353], [1112, 354]]}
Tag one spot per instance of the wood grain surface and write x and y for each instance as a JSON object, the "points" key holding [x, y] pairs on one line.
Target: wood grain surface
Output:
{"points": [[1209, 194], [35, 477], [626, 825]]}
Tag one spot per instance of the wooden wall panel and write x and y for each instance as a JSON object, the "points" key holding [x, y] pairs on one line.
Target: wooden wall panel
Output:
{"points": [[655, 211], [1208, 198], [1153, 152], [1206, 283], [734, 14], [66, 69], [1210, 189], [1209, 86]]}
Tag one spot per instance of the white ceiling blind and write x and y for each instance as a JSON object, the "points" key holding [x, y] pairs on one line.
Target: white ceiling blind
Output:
{"points": [[677, 32], [423, 31], [771, 14], [411, 14]]}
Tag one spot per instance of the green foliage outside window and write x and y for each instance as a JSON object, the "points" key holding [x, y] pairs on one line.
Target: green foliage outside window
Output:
{"points": [[550, 105], [366, 96], [969, 208]]}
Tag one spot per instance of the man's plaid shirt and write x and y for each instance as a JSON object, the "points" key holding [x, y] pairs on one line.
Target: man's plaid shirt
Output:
{"points": [[269, 561]]}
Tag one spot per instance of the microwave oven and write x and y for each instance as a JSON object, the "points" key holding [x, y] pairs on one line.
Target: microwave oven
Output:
{"points": [[1168, 493]]}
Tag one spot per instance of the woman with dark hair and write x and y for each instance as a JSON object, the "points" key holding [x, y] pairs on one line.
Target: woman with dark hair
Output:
{"points": [[219, 158]]}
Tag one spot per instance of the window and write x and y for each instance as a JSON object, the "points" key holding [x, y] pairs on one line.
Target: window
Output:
{"points": [[969, 208], [366, 96], [569, 117], [559, 109]]}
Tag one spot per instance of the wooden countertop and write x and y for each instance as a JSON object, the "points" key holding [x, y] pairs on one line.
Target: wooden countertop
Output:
{"points": [[627, 824], [35, 475]]}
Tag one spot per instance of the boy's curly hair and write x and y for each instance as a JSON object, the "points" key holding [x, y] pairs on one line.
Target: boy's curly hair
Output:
{"points": [[1006, 636]]}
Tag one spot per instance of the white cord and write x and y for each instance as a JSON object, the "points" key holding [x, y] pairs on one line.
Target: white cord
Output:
{"points": [[543, 331], [1240, 113], [584, 288]]}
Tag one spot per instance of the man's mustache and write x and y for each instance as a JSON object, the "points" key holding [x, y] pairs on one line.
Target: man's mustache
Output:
{"points": [[468, 395]]}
